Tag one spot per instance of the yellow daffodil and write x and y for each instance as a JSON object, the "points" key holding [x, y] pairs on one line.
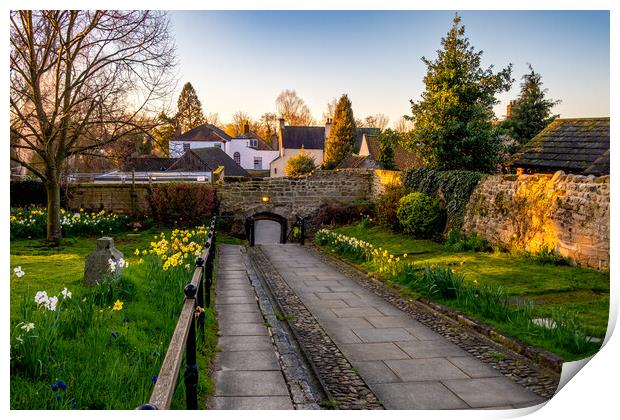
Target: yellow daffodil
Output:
{"points": [[118, 305]]}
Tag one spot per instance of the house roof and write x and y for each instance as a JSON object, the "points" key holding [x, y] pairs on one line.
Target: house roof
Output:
{"points": [[148, 164], [262, 144], [404, 158], [213, 157], [573, 145], [355, 161], [294, 137], [369, 131], [204, 132]]}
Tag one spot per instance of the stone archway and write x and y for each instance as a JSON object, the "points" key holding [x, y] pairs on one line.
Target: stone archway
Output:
{"points": [[268, 228]]}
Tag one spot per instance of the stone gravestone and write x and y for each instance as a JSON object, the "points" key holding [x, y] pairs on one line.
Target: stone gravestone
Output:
{"points": [[97, 263]]}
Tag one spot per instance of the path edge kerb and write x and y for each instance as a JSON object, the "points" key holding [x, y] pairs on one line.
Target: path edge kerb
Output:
{"points": [[257, 252]]}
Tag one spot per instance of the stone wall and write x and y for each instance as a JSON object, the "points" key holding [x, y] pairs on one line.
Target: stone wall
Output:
{"points": [[117, 198], [381, 178], [291, 197], [566, 213]]}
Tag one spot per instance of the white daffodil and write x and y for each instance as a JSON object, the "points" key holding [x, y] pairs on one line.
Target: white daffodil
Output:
{"points": [[18, 271], [66, 294], [112, 264], [41, 297], [27, 326], [51, 304]]}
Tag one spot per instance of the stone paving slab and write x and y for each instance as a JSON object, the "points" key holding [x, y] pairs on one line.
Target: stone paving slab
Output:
{"points": [[406, 364], [248, 374], [252, 403]]}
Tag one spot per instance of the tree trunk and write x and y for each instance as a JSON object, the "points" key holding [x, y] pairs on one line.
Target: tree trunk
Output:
{"points": [[54, 232]]}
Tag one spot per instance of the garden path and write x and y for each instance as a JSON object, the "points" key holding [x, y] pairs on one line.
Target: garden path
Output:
{"points": [[248, 374], [404, 363]]}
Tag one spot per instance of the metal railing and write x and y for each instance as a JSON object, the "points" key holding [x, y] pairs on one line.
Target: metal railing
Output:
{"points": [[197, 297]]}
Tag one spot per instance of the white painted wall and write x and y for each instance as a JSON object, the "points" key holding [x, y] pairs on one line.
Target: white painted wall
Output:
{"points": [[248, 153], [277, 166]]}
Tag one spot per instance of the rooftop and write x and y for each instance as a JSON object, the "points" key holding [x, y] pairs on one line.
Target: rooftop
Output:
{"points": [[573, 145]]}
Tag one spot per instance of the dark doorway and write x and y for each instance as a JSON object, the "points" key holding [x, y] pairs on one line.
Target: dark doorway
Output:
{"points": [[268, 228]]}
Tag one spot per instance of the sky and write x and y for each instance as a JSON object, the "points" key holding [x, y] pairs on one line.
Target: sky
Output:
{"points": [[242, 60]]}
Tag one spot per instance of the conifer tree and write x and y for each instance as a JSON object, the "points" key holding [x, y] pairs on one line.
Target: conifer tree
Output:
{"points": [[531, 111], [454, 119], [189, 113], [342, 134], [388, 139]]}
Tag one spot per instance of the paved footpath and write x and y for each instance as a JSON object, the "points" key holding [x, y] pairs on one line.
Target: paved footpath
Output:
{"points": [[247, 372], [407, 365]]}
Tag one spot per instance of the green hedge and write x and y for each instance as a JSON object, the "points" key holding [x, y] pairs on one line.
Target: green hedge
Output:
{"points": [[453, 188]]}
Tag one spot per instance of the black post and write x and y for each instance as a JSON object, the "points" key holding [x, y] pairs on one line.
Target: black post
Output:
{"points": [[302, 231], [191, 368], [200, 262], [251, 224], [209, 275]]}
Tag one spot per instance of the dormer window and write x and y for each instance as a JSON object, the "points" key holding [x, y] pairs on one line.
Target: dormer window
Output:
{"points": [[254, 143]]}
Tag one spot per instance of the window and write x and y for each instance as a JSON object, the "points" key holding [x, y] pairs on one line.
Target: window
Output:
{"points": [[186, 147], [258, 162], [237, 157], [254, 143]]}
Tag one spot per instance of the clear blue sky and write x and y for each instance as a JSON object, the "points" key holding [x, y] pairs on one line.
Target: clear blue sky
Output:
{"points": [[240, 60]]}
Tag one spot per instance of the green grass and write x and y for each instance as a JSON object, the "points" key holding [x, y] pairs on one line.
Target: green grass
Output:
{"points": [[580, 290], [101, 371]]}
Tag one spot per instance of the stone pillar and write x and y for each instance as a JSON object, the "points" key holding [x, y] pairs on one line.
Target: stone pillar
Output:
{"points": [[97, 263]]}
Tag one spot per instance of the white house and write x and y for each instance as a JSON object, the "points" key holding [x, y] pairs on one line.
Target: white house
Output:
{"points": [[291, 140], [248, 150]]}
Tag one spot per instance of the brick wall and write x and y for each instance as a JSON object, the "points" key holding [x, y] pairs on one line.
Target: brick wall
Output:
{"points": [[117, 198], [568, 213]]}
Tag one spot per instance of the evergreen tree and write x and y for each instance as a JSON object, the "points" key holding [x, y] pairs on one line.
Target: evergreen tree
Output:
{"points": [[531, 111], [454, 120], [189, 113], [164, 132], [342, 134], [388, 139]]}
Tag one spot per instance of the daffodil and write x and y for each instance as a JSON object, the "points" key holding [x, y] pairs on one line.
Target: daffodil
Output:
{"points": [[118, 305]]}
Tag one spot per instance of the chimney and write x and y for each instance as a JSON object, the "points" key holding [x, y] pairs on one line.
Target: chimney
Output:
{"points": [[281, 121], [177, 130], [246, 128], [328, 126]]}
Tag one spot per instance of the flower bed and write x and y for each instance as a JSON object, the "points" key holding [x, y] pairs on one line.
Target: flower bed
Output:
{"points": [[100, 347], [31, 222]]}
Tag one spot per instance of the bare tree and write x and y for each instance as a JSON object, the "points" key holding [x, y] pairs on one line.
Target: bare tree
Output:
{"points": [[379, 121], [236, 126], [403, 125], [214, 119], [293, 109], [79, 81]]}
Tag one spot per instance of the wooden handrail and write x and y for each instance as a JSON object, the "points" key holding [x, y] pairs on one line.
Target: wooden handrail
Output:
{"points": [[165, 386]]}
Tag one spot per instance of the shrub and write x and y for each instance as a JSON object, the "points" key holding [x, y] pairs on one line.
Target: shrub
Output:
{"points": [[181, 203], [301, 164], [387, 205], [28, 192], [453, 187], [342, 214], [459, 241], [420, 215]]}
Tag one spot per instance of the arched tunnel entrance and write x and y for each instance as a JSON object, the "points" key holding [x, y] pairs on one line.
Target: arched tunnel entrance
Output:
{"points": [[267, 228]]}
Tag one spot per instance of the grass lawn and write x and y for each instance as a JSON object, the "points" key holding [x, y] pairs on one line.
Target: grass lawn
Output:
{"points": [[107, 359], [581, 290]]}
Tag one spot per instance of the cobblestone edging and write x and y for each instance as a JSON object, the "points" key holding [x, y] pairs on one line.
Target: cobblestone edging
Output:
{"points": [[305, 392], [525, 372], [343, 386]]}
